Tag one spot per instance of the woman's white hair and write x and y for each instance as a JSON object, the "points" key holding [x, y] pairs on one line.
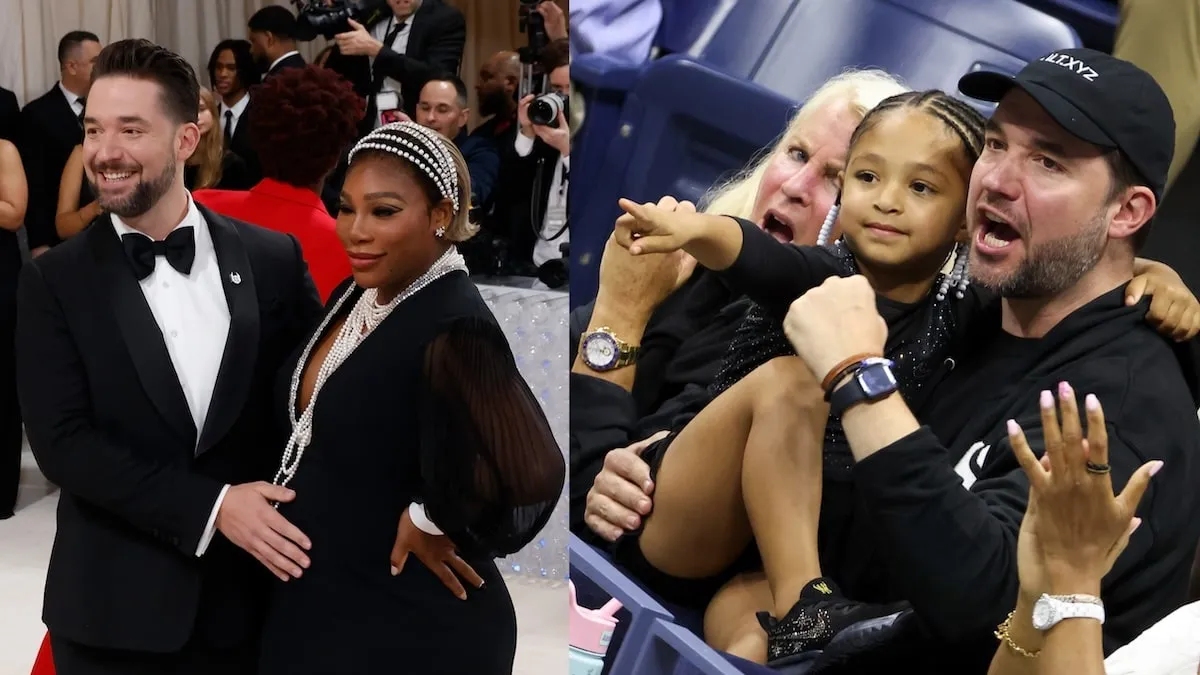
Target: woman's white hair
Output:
{"points": [[861, 90]]}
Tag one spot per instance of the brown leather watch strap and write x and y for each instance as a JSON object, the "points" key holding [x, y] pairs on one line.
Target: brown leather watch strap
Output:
{"points": [[835, 375]]}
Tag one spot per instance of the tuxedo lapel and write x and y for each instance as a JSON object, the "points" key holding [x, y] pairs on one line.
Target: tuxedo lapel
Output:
{"points": [[241, 346], [141, 333]]}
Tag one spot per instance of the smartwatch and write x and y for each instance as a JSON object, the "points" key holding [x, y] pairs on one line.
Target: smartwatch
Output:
{"points": [[871, 380], [601, 350]]}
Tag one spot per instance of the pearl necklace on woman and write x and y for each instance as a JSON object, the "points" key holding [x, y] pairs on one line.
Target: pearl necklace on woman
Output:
{"points": [[363, 319]]}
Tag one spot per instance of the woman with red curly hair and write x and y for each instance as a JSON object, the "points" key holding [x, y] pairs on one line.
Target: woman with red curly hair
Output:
{"points": [[301, 122]]}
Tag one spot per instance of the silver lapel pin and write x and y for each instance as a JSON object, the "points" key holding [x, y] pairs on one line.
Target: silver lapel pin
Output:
{"points": [[235, 278]]}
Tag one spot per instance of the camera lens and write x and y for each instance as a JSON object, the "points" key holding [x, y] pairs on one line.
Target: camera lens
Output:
{"points": [[545, 108]]}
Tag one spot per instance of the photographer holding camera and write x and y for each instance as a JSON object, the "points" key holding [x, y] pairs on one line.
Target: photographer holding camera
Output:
{"points": [[390, 51], [539, 222]]}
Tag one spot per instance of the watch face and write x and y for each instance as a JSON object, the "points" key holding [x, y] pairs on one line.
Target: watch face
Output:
{"points": [[1045, 614], [876, 380], [600, 351]]}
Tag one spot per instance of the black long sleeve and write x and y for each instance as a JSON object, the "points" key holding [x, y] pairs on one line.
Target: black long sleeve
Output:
{"points": [[491, 469], [169, 502], [443, 55], [953, 551], [774, 274]]}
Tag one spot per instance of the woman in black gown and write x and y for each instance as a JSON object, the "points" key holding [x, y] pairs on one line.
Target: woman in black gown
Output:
{"points": [[406, 409]]}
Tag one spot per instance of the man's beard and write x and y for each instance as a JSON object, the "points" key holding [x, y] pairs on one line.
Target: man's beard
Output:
{"points": [[141, 199], [493, 103], [1053, 266]]}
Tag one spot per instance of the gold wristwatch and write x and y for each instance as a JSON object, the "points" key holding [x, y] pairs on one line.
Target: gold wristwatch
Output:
{"points": [[602, 350]]}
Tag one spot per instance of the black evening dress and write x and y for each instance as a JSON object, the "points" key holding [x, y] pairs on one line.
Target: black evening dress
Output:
{"points": [[429, 408]]}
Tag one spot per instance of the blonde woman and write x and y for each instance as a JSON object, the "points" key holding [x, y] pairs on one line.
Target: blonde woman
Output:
{"points": [[683, 321], [212, 166]]}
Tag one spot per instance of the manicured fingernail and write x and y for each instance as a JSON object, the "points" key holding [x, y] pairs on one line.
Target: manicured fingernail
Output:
{"points": [[632, 522], [462, 596], [1064, 390], [643, 505], [1047, 399], [395, 570], [1013, 428], [1137, 522], [1156, 467], [647, 486], [482, 584], [1091, 402]]}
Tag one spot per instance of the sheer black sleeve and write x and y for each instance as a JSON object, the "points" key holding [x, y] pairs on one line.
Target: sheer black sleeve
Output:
{"points": [[491, 470]]}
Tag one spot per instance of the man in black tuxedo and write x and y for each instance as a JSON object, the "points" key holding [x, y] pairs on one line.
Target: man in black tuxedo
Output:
{"points": [[10, 115], [50, 130], [231, 73], [272, 31], [148, 348], [392, 54]]}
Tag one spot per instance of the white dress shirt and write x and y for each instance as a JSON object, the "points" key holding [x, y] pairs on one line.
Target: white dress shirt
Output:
{"points": [[237, 109], [72, 100], [399, 44], [193, 316], [556, 206]]}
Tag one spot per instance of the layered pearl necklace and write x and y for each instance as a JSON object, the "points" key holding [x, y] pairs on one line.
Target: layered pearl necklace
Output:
{"points": [[364, 317]]}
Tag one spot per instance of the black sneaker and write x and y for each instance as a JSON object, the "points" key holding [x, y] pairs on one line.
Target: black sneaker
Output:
{"points": [[821, 613]]}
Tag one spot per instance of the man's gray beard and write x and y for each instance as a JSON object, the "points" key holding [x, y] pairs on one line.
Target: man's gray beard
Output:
{"points": [[143, 198], [1053, 266]]}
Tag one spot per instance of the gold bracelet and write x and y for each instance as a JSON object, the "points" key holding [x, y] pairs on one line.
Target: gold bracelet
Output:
{"points": [[1002, 635]]}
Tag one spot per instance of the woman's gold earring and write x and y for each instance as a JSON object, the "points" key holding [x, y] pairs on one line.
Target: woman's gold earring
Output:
{"points": [[440, 232]]}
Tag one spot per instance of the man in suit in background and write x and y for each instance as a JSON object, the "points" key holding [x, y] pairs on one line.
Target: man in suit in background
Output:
{"points": [[496, 91], [443, 108], [51, 127], [296, 158], [148, 348], [10, 115], [231, 72], [272, 31], [391, 55]]}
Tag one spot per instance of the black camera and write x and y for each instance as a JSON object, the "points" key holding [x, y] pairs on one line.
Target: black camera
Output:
{"points": [[327, 19], [544, 109]]}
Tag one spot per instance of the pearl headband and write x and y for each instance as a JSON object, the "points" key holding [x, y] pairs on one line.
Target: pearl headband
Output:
{"points": [[422, 147]]}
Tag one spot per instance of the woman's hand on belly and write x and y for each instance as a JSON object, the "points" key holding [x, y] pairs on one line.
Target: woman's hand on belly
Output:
{"points": [[437, 552]]}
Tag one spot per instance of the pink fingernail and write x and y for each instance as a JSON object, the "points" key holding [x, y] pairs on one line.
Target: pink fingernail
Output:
{"points": [[1137, 522], [1156, 467], [1013, 428], [1091, 402], [1064, 390], [1047, 399]]}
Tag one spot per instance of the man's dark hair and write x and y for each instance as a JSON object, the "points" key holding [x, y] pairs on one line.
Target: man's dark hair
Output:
{"points": [[555, 55], [247, 73], [302, 121], [143, 60], [460, 87], [71, 41], [274, 19], [1125, 175]]}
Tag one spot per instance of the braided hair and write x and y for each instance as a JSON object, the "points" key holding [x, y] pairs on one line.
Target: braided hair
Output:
{"points": [[966, 123]]}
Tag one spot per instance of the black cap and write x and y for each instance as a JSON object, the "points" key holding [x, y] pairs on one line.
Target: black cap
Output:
{"points": [[276, 20], [1099, 98]]}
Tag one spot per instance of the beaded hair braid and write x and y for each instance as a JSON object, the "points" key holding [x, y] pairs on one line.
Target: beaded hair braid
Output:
{"points": [[423, 148]]}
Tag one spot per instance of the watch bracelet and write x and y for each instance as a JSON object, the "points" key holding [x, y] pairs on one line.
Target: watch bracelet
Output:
{"points": [[1003, 636]]}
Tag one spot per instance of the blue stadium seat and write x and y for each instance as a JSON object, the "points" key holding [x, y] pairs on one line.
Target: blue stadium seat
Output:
{"points": [[683, 126], [1094, 20]]}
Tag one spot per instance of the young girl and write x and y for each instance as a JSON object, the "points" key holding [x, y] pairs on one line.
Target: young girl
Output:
{"points": [[750, 467]]}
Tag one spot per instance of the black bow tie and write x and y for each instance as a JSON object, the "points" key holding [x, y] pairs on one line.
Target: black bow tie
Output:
{"points": [[179, 249]]}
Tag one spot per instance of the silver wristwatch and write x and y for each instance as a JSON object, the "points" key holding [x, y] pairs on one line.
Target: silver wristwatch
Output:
{"points": [[1050, 609]]}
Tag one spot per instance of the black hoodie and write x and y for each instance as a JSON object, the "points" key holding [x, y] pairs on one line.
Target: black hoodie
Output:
{"points": [[951, 551]]}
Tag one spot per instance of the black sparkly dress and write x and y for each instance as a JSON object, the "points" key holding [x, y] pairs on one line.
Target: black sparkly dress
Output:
{"points": [[921, 341]]}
